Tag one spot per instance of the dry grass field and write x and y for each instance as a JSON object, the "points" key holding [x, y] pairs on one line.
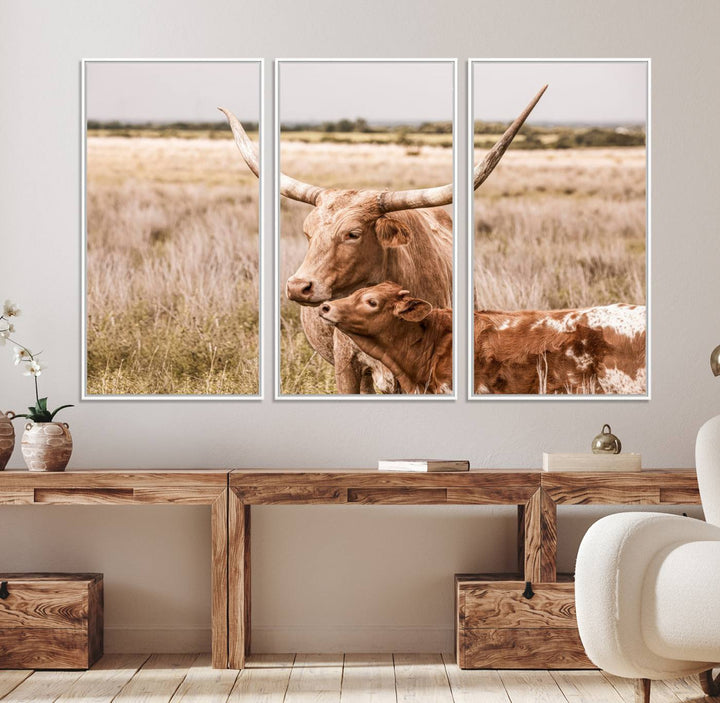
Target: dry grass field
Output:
{"points": [[553, 229], [302, 371], [561, 228], [172, 267]]}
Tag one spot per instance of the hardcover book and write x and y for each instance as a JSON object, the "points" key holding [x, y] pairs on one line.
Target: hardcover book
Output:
{"points": [[422, 465]]}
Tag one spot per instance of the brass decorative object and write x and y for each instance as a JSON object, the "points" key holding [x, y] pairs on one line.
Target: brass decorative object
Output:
{"points": [[715, 360], [606, 442]]}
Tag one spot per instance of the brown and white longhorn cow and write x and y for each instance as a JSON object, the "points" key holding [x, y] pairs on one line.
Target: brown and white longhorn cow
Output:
{"points": [[359, 238], [591, 350]]}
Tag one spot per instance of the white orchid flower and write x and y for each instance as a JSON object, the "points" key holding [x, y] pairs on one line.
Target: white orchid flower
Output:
{"points": [[10, 309], [21, 355], [33, 368], [5, 333]]}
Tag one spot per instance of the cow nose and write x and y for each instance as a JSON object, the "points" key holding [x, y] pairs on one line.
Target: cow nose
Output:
{"points": [[299, 289], [325, 308]]}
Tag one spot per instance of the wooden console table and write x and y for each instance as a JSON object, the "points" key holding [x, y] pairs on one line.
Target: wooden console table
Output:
{"points": [[231, 494], [537, 495], [201, 487]]}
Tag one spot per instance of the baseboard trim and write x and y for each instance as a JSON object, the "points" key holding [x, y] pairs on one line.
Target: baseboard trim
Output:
{"points": [[147, 640], [352, 638], [276, 640]]}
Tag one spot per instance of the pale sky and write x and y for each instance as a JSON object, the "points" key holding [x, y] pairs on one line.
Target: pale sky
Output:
{"points": [[594, 92], [171, 91], [318, 91]]}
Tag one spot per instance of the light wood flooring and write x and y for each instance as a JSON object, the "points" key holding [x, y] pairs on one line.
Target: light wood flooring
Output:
{"points": [[350, 678]]}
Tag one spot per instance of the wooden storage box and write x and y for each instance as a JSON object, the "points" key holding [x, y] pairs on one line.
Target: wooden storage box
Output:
{"points": [[497, 627], [50, 621]]}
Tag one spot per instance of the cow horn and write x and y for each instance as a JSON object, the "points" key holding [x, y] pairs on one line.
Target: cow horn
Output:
{"points": [[390, 201], [289, 187]]}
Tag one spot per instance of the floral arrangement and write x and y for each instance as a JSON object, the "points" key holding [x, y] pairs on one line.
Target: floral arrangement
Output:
{"points": [[29, 362]]}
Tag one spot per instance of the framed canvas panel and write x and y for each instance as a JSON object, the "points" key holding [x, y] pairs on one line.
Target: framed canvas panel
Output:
{"points": [[559, 237], [171, 231], [365, 246]]}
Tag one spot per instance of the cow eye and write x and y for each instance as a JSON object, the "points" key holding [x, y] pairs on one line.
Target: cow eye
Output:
{"points": [[352, 235], [372, 303]]}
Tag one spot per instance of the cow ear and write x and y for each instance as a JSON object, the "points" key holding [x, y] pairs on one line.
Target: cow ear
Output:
{"points": [[412, 309], [391, 232]]}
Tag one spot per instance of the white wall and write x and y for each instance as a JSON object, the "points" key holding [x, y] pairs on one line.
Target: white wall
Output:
{"points": [[367, 577]]}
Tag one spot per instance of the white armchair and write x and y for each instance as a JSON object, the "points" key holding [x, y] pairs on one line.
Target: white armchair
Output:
{"points": [[647, 586]]}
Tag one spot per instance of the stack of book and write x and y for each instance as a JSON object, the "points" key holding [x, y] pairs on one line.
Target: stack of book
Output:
{"points": [[422, 465]]}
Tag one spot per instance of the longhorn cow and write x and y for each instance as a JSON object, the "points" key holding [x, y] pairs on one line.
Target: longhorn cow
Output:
{"points": [[359, 238]]}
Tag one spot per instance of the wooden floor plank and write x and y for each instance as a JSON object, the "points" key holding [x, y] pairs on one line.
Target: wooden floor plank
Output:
{"points": [[686, 688], [203, 684], [474, 685], [659, 692], [264, 679], [586, 687], [12, 678], [157, 681], [43, 687], [531, 687], [368, 678], [421, 677], [315, 677], [105, 680], [332, 678]]}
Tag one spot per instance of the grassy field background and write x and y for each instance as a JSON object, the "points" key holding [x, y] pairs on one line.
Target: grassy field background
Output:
{"points": [[172, 266], [172, 258], [561, 228], [553, 228], [366, 165]]}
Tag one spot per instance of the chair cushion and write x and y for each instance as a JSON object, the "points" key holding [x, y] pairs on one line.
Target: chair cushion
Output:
{"points": [[681, 602], [612, 565]]}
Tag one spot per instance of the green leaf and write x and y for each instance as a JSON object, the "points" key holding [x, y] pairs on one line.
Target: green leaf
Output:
{"points": [[42, 404], [32, 410], [57, 410]]}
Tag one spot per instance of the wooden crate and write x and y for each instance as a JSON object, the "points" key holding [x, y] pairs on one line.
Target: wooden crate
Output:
{"points": [[50, 621], [497, 627]]}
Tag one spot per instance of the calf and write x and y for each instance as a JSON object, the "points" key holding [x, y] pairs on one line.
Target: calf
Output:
{"points": [[408, 335], [586, 351]]}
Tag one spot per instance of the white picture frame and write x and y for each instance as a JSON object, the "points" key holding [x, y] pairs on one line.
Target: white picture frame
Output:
{"points": [[470, 194], [95, 397], [278, 395]]}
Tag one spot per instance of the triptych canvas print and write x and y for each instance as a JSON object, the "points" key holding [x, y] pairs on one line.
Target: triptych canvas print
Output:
{"points": [[362, 231]]}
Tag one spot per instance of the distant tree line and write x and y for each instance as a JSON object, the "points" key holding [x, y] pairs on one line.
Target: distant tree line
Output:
{"points": [[167, 126], [361, 125], [561, 137]]}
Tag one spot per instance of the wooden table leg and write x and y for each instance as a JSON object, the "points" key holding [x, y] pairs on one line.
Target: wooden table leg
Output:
{"points": [[238, 582], [537, 538], [219, 614]]}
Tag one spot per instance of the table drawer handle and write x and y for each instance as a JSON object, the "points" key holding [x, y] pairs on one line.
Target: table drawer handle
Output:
{"points": [[4, 590], [528, 592]]}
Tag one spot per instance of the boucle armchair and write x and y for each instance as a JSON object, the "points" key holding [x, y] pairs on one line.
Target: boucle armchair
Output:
{"points": [[647, 586]]}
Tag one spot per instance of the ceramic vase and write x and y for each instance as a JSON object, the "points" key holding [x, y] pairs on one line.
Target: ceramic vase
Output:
{"points": [[46, 446], [7, 437]]}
